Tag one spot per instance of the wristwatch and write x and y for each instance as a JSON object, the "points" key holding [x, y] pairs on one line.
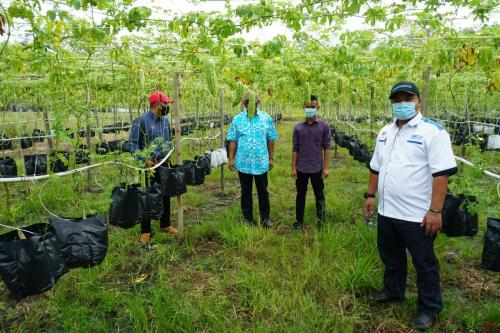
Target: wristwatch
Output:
{"points": [[437, 211], [368, 195]]}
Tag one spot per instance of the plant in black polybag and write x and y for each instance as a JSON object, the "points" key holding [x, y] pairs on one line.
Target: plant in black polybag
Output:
{"points": [[35, 165], [30, 264], [59, 161], [491, 247], [127, 206], [173, 180], [8, 167], [83, 241]]}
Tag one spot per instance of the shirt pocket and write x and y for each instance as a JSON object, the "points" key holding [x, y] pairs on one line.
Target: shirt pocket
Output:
{"points": [[414, 149]]}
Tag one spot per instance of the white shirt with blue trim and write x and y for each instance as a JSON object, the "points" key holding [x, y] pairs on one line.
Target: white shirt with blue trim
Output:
{"points": [[406, 159]]}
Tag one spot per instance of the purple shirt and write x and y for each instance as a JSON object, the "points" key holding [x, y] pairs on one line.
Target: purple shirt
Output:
{"points": [[309, 141]]}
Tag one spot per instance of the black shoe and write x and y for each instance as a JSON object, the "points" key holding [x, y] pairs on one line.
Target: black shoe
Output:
{"points": [[383, 297], [250, 222], [266, 223], [422, 322], [298, 225]]}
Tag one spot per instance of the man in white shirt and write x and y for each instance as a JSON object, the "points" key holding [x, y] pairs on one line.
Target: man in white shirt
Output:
{"points": [[410, 168]]}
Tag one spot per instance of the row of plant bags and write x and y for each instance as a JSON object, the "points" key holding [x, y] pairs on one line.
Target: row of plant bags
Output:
{"points": [[5, 144], [459, 217], [30, 263], [491, 246], [131, 204], [8, 167], [103, 148], [83, 242]]}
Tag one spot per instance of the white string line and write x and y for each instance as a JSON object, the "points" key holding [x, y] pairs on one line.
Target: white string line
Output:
{"points": [[88, 167], [202, 139], [17, 228]]}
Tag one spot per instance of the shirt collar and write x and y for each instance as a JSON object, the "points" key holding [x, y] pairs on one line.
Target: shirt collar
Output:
{"points": [[413, 122]]}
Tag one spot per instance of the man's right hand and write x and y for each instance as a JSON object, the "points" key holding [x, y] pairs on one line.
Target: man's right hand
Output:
{"points": [[231, 165], [369, 207], [294, 173]]}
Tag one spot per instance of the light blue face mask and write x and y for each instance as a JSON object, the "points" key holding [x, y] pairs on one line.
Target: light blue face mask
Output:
{"points": [[310, 112], [404, 110]]}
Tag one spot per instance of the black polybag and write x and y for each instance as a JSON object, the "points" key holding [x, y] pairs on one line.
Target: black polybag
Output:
{"points": [[38, 135], [83, 242], [195, 172], [59, 163], [82, 155], [26, 142], [457, 217], [33, 265], [206, 161], [8, 167], [491, 246], [173, 180], [35, 165], [5, 144], [153, 198], [127, 206]]}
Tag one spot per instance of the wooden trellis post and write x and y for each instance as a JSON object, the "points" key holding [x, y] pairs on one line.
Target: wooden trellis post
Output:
{"points": [[178, 147], [222, 136]]}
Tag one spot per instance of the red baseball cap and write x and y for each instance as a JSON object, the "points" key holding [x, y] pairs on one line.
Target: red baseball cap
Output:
{"points": [[158, 96]]}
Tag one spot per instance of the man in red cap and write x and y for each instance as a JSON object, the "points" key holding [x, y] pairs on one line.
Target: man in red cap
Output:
{"points": [[152, 130]]}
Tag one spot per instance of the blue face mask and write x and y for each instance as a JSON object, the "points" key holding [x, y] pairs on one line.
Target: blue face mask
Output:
{"points": [[404, 110], [310, 112]]}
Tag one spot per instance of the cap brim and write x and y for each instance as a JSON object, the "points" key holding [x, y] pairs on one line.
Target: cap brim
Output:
{"points": [[402, 90]]}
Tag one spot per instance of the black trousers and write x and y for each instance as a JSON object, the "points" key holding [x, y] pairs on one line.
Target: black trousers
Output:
{"points": [[246, 182], [165, 217], [394, 237], [318, 187]]}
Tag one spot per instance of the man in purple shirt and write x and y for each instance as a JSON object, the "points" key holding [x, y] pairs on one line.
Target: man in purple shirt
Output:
{"points": [[310, 160]]}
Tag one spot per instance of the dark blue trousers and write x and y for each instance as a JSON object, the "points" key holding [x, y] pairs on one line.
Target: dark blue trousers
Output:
{"points": [[394, 238]]}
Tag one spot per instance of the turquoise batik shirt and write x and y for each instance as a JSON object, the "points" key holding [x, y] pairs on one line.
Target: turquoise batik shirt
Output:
{"points": [[251, 136]]}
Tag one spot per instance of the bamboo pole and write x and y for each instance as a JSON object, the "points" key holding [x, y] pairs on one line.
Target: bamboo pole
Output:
{"points": [[178, 147]]}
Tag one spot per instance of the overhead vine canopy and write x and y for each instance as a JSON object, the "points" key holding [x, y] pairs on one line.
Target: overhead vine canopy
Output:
{"points": [[94, 49]]}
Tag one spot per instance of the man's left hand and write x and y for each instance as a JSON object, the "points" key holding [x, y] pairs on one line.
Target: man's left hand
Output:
{"points": [[271, 164], [432, 223], [325, 173]]}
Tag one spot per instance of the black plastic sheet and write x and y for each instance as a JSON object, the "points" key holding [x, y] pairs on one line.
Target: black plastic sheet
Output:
{"points": [[491, 246], [83, 242], [35, 165], [33, 265], [8, 167]]}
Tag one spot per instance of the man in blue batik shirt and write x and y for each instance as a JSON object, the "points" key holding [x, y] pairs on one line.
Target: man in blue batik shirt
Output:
{"points": [[254, 137], [153, 129]]}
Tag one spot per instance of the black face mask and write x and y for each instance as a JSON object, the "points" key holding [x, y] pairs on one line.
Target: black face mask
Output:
{"points": [[165, 110]]}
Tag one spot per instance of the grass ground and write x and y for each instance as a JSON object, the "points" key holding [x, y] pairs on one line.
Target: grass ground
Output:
{"points": [[225, 277]]}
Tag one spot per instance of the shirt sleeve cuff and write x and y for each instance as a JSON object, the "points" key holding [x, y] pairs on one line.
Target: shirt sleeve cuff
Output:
{"points": [[373, 171], [448, 172]]}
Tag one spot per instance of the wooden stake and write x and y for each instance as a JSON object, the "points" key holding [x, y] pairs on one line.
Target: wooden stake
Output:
{"points": [[178, 147], [222, 136]]}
